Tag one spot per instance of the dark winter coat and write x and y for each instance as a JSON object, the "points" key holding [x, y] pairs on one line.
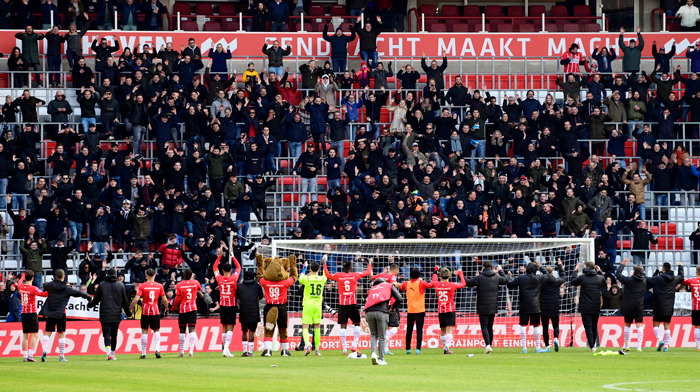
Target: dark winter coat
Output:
{"points": [[633, 295], [487, 285], [248, 295], [549, 293], [591, 283], [112, 295], [664, 284], [530, 286], [59, 294]]}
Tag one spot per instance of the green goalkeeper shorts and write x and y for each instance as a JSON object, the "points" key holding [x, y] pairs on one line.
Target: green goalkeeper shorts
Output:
{"points": [[311, 315]]}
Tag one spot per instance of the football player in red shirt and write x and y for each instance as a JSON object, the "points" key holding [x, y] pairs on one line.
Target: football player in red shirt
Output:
{"points": [[394, 317], [227, 289], [694, 284], [347, 287], [150, 292], [30, 320], [186, 293], [446, 303]]}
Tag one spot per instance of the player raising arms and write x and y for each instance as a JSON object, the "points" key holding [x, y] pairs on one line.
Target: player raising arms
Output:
{"points": [[529, 285], [446, 303], [249, 294], [150, 293], [30, 321], [347, 288], [227, 291], [394, 317], [664, 284], [632, 307], [694, 284], [549, 303], [313, 303], [186, 293], [487, 285]]}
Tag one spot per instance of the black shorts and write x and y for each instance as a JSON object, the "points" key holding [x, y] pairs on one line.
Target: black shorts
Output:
{"points": [[188, 318], [447, 319], [228, 315], [529, 319], [152, 322], [30, 323], [662, 319], [394, 319], [54, 324], [629, 319], [249, 327], [695, 317], [281, 314], [346, 312]]}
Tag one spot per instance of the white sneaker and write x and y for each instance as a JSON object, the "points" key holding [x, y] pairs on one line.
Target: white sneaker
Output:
{"points": [[488, 350], [593, 349], [375, 359], [381, 362]]}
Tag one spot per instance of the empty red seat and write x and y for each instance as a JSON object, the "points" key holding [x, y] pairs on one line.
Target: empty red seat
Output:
{"points": [[204, 9], [472, 10], [592, 28], [559, 11], [516, 11], [654, 230], [460, 28], [526, 28], [550, 27], [438, 28], [570, 28], [493, 11], [182, 8], [536, 11], [227, 9], [428, 10], [189, 26], [449, 10], [504, 28], [626, 244], [212, 26], [450, 23], [230, 25], [316, 10], [582, 10], [339, 10]]}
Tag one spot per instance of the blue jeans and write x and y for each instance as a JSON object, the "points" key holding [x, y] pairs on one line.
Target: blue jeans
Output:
{"points": [[278, 26], [339, 65], [269, 163], [294, 150], [309, 185], [661, 200], [54, 65], [278, 70], [240, 168], [479, 151], [100, 247], [72, 57], [536, 229], [18, 201], [3, 192], [370, 55], [642, 211], [356, 12], [75, 230], [243, 231], [41, 227], [356, 227], [339, 148], [612, 254], [38, 280], [86, 121], [189, 143]]}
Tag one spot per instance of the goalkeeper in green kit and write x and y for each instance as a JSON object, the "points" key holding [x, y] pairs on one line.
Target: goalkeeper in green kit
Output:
{"points": [[312, 304]]}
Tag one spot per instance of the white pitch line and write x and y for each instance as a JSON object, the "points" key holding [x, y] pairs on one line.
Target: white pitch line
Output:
{"points": [[617, 387]]}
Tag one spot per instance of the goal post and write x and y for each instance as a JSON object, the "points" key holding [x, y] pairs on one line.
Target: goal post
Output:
{"points": [[467, 255]]}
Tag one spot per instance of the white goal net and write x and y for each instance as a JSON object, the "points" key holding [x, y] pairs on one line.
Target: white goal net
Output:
{"points": [[468, 255]]}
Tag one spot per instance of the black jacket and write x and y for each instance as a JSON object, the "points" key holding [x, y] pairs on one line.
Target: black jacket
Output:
{"points": [[530, 286], [59, 256], [59, 294], [592, 283], [633, 295], [664, 284], [112, 294], [249, 294], [487, 290], [549, 293]]}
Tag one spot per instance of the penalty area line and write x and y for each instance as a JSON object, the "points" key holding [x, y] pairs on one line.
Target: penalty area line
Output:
{"points": [[619, 386]]}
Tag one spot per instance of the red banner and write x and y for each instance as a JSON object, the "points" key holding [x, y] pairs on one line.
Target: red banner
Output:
{"points": [[466, 45], [85, 337]]}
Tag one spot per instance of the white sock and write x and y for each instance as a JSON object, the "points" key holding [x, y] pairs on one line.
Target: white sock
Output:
{"points": [[30, 352], [144, 343], [390, 333], [658, 333], [227, 342], [62, 346], [251, 347], [697, 337], [268, 345], [223, 339], [443, 339], [156, 340], [523, 336], [182, 343], [24, 354], [627, 337], [193, 339], [343, 337], [285, 346], [640, 337], [448, 340], [356, 339], [45, 341], [537, 337], [245, 346], [667, 337]]}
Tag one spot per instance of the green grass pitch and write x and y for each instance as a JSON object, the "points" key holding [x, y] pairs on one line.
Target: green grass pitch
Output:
{"points": [[571, 369]]}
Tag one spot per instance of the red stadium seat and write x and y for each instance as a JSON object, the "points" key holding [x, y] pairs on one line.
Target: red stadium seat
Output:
{"points": [[427, 10], [460, 28], [536, 11], [212, 26], [449, 10], [339, 10], [346, 26], [450, 23], [516, 10], [559, 11], [230, 25], [493, 11], [472, 10], [592, 27], [504, 28], [189, 26], [570, 28], [182, 8], [526, 28], [438, 28], [227, 9], [582, 10], [317, 10], [550, 27], [204, 9]]}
